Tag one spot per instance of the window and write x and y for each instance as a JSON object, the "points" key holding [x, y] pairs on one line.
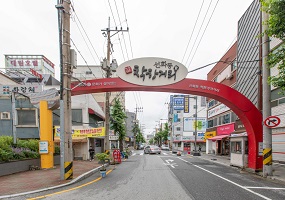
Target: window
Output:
{"points": [[235, 147], [234, 65], [5, 115], [281, 101], [226, 119], [179, 144], [27, 117], [178, 128], [210, 123]]}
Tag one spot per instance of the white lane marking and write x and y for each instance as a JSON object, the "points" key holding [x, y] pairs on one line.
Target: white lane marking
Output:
{"points": [[169, 160], [165, 154], [264, 197], [173, 165], [265, 188], [183, 160], [141, 153]]}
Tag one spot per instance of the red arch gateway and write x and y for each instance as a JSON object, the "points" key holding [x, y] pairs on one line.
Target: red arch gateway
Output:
{"points": [[243, 107]]}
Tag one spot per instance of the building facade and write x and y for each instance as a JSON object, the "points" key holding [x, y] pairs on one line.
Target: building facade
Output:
{"points": [[183, 113]]}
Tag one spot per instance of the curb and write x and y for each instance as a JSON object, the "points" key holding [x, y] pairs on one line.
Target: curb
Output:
{"points": [[79, 178]]}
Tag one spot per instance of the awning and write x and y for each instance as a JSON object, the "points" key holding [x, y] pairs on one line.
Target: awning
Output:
{"points": [[74, 140], [93, 112], [219, 137]]}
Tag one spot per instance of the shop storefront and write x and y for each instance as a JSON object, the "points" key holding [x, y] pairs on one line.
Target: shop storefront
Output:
{"points": [[82, 139], [220, 144]]}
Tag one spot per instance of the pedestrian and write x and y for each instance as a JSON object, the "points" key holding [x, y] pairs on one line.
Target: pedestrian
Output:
{"points": [[200, 148], [91, 153]]}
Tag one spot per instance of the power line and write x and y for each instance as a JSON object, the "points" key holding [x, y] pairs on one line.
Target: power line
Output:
{"points": [[204, 32], [128, 26], [199, 32], [193, 30], [82, 56], [85, 32]]}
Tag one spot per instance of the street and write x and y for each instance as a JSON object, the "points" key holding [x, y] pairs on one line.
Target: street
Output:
{"points": [[167, 176]]}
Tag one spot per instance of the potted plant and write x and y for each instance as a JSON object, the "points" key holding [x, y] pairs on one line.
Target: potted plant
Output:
{"points": [[102, 157]]}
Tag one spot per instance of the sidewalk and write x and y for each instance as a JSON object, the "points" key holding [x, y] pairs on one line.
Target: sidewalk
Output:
{"points": [[277, 168], [23, 182]]}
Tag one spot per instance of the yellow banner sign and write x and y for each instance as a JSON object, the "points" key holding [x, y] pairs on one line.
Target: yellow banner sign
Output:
{"points": [[92, 132], [209, 135]]}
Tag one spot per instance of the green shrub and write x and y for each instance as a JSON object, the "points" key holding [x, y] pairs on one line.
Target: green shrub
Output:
{"points": [[31, 154], [56, 150], [5, 156], [31, 144], [6, 141]]}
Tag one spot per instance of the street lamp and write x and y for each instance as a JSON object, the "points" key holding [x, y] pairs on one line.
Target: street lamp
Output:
{"points": [[195, 150]]}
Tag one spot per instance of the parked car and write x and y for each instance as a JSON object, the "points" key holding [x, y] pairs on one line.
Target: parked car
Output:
{"points": [[152, 149], [165, 147], [140, 147]]}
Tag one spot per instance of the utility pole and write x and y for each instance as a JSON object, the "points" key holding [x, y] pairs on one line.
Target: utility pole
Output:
{"points": [[65, 91], [137, 109], [106, 66], [195, 126], [266, 110]]}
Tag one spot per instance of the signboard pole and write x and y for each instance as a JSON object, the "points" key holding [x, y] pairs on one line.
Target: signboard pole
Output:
{"points": [[14, 118]]}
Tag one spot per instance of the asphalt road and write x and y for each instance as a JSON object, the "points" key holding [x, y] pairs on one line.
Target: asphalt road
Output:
{"points": [[167, 177]]}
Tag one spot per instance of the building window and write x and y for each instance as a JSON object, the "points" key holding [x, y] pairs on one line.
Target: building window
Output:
{"points": [[210, 123], [234, 65], [27, 117], [236, 147], [178, 128], [179, 144], [226, 119], [212, 103]]}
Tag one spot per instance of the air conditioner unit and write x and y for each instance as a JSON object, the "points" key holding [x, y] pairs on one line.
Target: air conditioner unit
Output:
{"points": [[5, 115], [229, 76]]}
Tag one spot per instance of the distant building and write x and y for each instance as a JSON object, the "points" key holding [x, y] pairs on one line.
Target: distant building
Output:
{"points": [[182, 115]]}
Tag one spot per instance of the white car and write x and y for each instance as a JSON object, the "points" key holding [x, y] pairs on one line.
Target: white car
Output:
{"points": [[165, 147]]}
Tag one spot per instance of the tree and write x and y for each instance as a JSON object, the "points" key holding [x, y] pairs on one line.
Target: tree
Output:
{"points": [[276, 28], [118, 117], [165, 132], [135, 131]]}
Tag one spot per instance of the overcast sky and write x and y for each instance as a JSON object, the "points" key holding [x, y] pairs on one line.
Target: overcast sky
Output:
{"points": [[157, 28]]}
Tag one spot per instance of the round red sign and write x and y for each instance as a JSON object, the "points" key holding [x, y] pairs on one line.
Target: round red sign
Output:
{"points": [[272, 121]]}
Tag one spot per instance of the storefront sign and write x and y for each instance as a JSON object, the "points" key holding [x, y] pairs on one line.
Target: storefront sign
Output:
{"points": [[189, 124], [152, 71], [178, 103], [186, 104], [226, 129], [218, 110], [113, 137], [209, 135], [92, 132], [23, 89], [239, 126]]}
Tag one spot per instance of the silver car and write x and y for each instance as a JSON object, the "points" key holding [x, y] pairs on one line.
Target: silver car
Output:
{"points": [[152, 149]]}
